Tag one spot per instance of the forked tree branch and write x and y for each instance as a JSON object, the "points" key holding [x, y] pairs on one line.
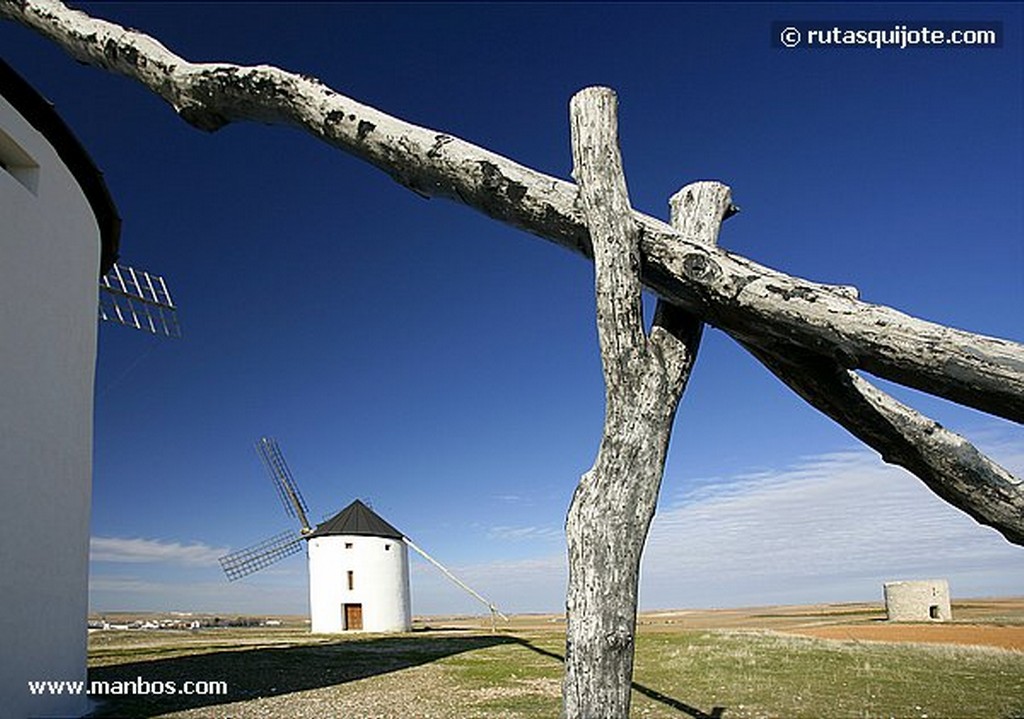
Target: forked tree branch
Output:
{"points": [[597, 167], [697, 212], [613, 506], [751, 302], [947, 463]]}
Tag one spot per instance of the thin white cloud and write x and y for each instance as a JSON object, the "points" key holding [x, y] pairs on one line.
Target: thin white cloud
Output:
{"points": [[832, 527], [129, 585], [519, 534], [118, 593], [153, 551]]}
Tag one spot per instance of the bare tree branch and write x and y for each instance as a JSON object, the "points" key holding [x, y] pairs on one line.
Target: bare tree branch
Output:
{"points": [[697, 213], [733, 293], [597, 167]]}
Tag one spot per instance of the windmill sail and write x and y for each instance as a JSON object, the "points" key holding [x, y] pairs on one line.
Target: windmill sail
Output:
{"points": [[287, 490], [252, 559], [138, 299]]}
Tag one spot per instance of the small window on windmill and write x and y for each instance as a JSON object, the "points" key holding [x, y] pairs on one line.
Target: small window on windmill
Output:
{"points": [[18, 163], [933, 611], [387, 547], [351, 580], [348, 545]]}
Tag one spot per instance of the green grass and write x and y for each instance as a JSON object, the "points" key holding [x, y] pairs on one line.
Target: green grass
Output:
{"points": [[761, 674], [680, 673]]}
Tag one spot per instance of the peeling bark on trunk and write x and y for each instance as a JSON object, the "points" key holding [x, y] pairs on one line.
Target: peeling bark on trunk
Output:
{"points": [[749, 301], [644, 378]]}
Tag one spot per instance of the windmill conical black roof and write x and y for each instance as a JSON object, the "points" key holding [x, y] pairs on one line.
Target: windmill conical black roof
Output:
{"points": [[356, 519]]}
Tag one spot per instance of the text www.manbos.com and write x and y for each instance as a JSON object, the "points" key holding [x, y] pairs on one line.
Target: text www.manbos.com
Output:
{"points": [[132, 687]]}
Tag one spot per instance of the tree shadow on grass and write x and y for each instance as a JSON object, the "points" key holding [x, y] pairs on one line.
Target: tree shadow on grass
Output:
{"points": [[267, 671], [691, 711], [251, 673]]}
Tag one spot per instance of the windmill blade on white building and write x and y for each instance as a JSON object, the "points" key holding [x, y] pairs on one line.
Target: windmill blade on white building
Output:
{"points": [[252, 559], [138, 299]]}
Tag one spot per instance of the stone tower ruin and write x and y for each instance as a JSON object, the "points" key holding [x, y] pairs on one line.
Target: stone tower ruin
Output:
{"points": [[918, 601]]}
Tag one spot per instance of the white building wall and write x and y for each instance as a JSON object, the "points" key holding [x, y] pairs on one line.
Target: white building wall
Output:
{"points": [[918, 601], [49, 267], [380, 583]]}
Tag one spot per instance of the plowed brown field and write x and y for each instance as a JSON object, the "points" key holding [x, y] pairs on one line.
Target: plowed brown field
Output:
{"points": [[1006, 637]]}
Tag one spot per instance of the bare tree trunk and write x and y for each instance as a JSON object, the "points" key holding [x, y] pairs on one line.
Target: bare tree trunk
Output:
{"points": [[644, 376]]}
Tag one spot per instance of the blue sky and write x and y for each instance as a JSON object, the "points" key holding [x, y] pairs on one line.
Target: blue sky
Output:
{"points": [[445, 367]]}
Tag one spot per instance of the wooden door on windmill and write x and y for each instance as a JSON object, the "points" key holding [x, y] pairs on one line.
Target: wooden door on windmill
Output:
{"points": [[353, 616]]}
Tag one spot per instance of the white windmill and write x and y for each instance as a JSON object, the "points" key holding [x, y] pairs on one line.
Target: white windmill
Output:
{"points": [[358, 562], [58, 227]]}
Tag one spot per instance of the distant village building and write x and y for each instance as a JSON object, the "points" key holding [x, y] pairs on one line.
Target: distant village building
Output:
{"points": [[918, 601], [58, 233], [358, 574]]}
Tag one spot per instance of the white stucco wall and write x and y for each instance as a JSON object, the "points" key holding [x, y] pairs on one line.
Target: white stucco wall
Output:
{"points": [[380, 583], [918, 601], [49, 266]]}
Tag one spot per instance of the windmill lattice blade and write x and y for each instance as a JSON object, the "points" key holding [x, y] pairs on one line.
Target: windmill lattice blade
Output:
{"points": [[287, 490], [252, 559], [136, 298], [265, 457]]}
